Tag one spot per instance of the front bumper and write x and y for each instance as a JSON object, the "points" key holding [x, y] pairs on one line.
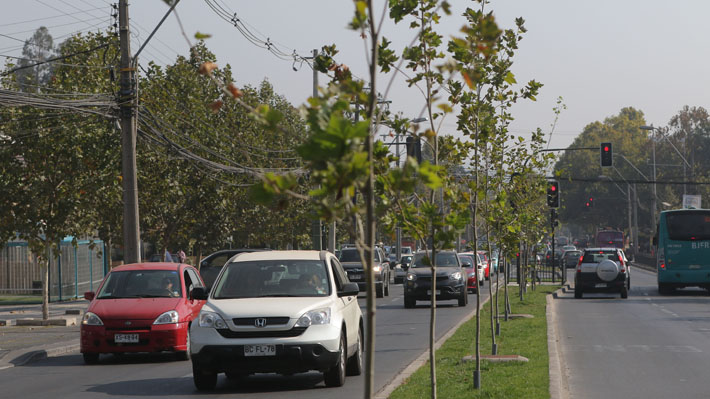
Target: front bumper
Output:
{"points": [[158, 338], [420, 289], [292, 358], [316, 348]]}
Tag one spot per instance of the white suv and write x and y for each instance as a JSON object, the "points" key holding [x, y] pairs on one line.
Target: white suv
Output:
{"points": [[603, 270], [278, 311]]}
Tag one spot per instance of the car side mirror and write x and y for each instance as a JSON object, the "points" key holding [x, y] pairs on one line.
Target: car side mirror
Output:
{"points": [[405, 267], [466, 264], [349, 289], [199, 293], [89, 295]]}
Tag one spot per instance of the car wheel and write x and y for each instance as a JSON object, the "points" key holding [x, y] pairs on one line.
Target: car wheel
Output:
{"points": [[204, 380], [409, 302], [185, 355], [463, 300], [355, 361], [624, 292], [398, 280], [90, 358], [664, 289], [380, 289], [335, 377], [387, 287], [577, 291]]}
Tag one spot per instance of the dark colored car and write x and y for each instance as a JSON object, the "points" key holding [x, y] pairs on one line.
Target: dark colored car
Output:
{"points": [[212, 264], [571, 258], [603, 270], [141, 307], [350, 259], [400, 270], [450, 282]]}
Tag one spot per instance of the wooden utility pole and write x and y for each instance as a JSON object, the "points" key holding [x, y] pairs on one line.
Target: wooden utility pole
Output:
{"points": [[127, 99]]}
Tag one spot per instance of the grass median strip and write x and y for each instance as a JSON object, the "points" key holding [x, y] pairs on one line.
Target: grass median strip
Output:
{"points": [[526, 337]]}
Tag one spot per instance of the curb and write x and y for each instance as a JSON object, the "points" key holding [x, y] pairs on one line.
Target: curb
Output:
{"points": [[21, 357], [558, 379], [398, 379]]}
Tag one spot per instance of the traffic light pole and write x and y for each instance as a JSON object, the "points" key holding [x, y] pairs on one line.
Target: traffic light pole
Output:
{"points": [[552, 223]]}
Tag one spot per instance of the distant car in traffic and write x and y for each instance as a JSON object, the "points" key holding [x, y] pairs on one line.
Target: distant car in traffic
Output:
{"points": [[473, 267], [281, 312], [400, 269], [603, 270], [571, 258], [449, 282], [142, 307], [350, 259]]}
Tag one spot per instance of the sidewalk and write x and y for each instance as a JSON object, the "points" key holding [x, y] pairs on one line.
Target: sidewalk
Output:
{"points": [[24, 336]]}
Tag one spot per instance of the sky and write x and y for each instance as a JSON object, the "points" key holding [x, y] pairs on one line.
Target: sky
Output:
{"points": [[599, 56]]}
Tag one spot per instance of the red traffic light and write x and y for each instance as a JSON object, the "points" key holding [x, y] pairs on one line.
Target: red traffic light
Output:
{"points": [[553, 187], [606, 148]]}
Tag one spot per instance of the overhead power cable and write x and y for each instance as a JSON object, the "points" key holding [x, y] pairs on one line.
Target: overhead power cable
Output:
{"points": [[63, 57]]}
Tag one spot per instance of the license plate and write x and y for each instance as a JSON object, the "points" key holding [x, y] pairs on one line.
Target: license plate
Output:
{"points": [[259, 350], [125, 338], [438, 292], [356, 276], [600, 285]]}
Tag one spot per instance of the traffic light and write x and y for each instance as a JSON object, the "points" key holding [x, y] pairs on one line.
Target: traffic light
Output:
{"points": [[605, 154], [553, 194], [591, 202]]}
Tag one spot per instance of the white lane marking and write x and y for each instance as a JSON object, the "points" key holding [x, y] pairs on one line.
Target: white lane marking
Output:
{"points": [[669, 312], [634, 348]]}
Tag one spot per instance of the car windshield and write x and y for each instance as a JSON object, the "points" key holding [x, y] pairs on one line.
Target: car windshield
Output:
{"points": [[273, 278], [443, 259], [467, 259], [141, 284], [573, 254]]}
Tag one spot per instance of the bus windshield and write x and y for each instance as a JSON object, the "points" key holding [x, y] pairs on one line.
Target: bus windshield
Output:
{"points": [[688, 226], [610, 239]]}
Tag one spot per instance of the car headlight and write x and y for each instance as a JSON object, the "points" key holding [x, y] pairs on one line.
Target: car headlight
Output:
{"points": [[455, 276], [169, 317], [411, 276], [377, 268], [91, 319], [314, 318], [212, 320]]}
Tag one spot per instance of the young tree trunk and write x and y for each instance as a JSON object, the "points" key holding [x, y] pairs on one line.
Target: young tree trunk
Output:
{"points": [[45, 282]]}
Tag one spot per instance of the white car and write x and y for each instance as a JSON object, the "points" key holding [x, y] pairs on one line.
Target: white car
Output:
{"points": [[278, 312]]}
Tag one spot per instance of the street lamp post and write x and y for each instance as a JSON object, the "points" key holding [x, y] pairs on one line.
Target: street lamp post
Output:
{"points": [[655, 199]]}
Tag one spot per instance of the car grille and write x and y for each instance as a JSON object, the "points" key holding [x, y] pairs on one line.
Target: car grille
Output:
{"points": [[251, 321], [294, 332], [428, 278]]}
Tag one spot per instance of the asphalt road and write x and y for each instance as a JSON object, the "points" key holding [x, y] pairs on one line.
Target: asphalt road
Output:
{"points": [[401, 337], [646, 346]]}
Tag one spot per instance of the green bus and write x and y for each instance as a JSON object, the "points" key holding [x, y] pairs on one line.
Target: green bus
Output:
{"points": [[683, 249]]}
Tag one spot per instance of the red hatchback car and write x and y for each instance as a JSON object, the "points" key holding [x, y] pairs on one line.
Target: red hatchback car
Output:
{"points": [[142, 307]]}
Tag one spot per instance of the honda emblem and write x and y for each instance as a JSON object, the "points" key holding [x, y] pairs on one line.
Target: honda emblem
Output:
{"points": [[260, 322]]}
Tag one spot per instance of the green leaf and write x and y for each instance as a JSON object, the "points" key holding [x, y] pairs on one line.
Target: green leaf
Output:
{"points": [[202, 36]]}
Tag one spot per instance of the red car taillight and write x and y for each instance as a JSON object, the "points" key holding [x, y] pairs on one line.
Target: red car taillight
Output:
{"points": [[579, 264], [621, 263]]}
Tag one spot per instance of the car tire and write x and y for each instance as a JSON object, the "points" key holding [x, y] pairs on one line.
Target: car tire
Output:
{"points": [[185, 355], [335, 377], [398, 280], [409, 303], [577, 291], [355, 361], [90, 357], [664, 289], [624, 292], [387, 287], [380, 289], [204, 380], [463, 300]]}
